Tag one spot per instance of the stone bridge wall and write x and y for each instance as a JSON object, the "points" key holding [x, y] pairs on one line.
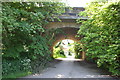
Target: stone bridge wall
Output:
{"points": [[63, 25], [68, 25]]}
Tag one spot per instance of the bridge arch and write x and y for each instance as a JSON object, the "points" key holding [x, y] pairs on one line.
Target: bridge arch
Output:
{"points": [[68, 25], [68, 33]]}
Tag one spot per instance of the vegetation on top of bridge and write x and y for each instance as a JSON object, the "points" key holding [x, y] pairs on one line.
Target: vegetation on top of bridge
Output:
{"points": [[25, 41], [101, 39]]}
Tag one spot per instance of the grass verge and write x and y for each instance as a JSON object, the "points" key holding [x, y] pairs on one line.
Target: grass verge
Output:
{"points": [[13, 76]]}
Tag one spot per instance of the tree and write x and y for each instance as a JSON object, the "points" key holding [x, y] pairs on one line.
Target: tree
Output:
{"points": [[101, 34], [24, 35]]}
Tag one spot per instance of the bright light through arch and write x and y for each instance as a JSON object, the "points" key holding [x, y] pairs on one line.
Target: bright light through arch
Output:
{"points": [[67, 41]]}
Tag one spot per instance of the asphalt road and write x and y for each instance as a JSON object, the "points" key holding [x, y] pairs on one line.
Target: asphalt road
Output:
{"points": [[72, 69]]}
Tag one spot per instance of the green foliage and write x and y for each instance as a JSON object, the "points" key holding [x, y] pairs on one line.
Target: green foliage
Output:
{"points": [[15, 66], [24, 35], [78, 50], [101, 34], [58, 53], [13, 76], [71, 48]]}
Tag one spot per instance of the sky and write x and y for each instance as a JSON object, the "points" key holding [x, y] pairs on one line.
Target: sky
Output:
{"points": [[76, 3]]}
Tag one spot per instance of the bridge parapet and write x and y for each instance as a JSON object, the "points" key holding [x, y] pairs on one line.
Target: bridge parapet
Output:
{"points": [[68, 19], [72, 14]]}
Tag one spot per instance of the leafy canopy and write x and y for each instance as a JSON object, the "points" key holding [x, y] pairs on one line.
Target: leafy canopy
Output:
{"points": [[24, 36], [101, 34]]}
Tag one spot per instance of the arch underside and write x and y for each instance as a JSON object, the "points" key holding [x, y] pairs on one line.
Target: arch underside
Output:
{"points": [[68, 33]]}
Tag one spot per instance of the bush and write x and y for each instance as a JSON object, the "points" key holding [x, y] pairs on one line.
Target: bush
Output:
{"points": [[24, 38], [15, 65], [78, 50], [58, 53], [101, 34]]}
